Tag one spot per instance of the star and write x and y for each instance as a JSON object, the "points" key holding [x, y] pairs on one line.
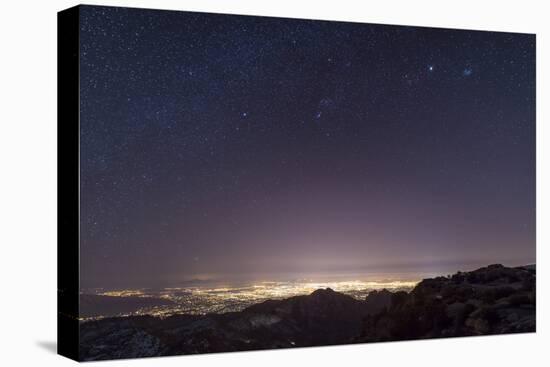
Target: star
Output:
{"points": [[192, 122]]}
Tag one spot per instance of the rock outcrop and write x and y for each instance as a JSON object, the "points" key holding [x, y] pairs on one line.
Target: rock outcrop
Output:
{"points": [[490, 300]]}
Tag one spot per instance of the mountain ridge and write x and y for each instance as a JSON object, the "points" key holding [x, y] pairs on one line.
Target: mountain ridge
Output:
{"points": [[490, 300]]}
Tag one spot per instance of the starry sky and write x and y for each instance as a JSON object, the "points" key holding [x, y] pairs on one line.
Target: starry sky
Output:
{"points": [[224, 147]]}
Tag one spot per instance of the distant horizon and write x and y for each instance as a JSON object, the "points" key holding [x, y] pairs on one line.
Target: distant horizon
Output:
{"points": [[326, 277]]}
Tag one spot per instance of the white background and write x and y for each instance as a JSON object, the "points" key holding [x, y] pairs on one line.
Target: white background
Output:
{"points": [[28, 181]]}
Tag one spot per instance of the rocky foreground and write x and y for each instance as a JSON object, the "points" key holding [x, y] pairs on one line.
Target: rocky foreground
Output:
{"points": [[490, 300]]}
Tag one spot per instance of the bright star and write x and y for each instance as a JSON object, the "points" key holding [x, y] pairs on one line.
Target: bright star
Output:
{"points": [[430, 67]]}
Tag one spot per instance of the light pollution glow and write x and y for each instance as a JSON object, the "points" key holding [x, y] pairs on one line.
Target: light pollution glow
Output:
{"points": [[221, 299]]}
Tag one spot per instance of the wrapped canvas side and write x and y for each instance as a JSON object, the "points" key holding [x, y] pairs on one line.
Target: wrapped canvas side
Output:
{"points": [[68, 182]]}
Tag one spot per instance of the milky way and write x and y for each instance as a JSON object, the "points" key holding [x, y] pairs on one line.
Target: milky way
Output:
{"points": [[217, 146]]}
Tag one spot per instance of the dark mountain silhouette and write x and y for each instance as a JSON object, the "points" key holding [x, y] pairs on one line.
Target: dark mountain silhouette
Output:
{"points": [[490, 300]]}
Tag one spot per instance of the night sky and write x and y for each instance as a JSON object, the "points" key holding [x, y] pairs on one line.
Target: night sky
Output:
{"points": [[225, 147]]}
